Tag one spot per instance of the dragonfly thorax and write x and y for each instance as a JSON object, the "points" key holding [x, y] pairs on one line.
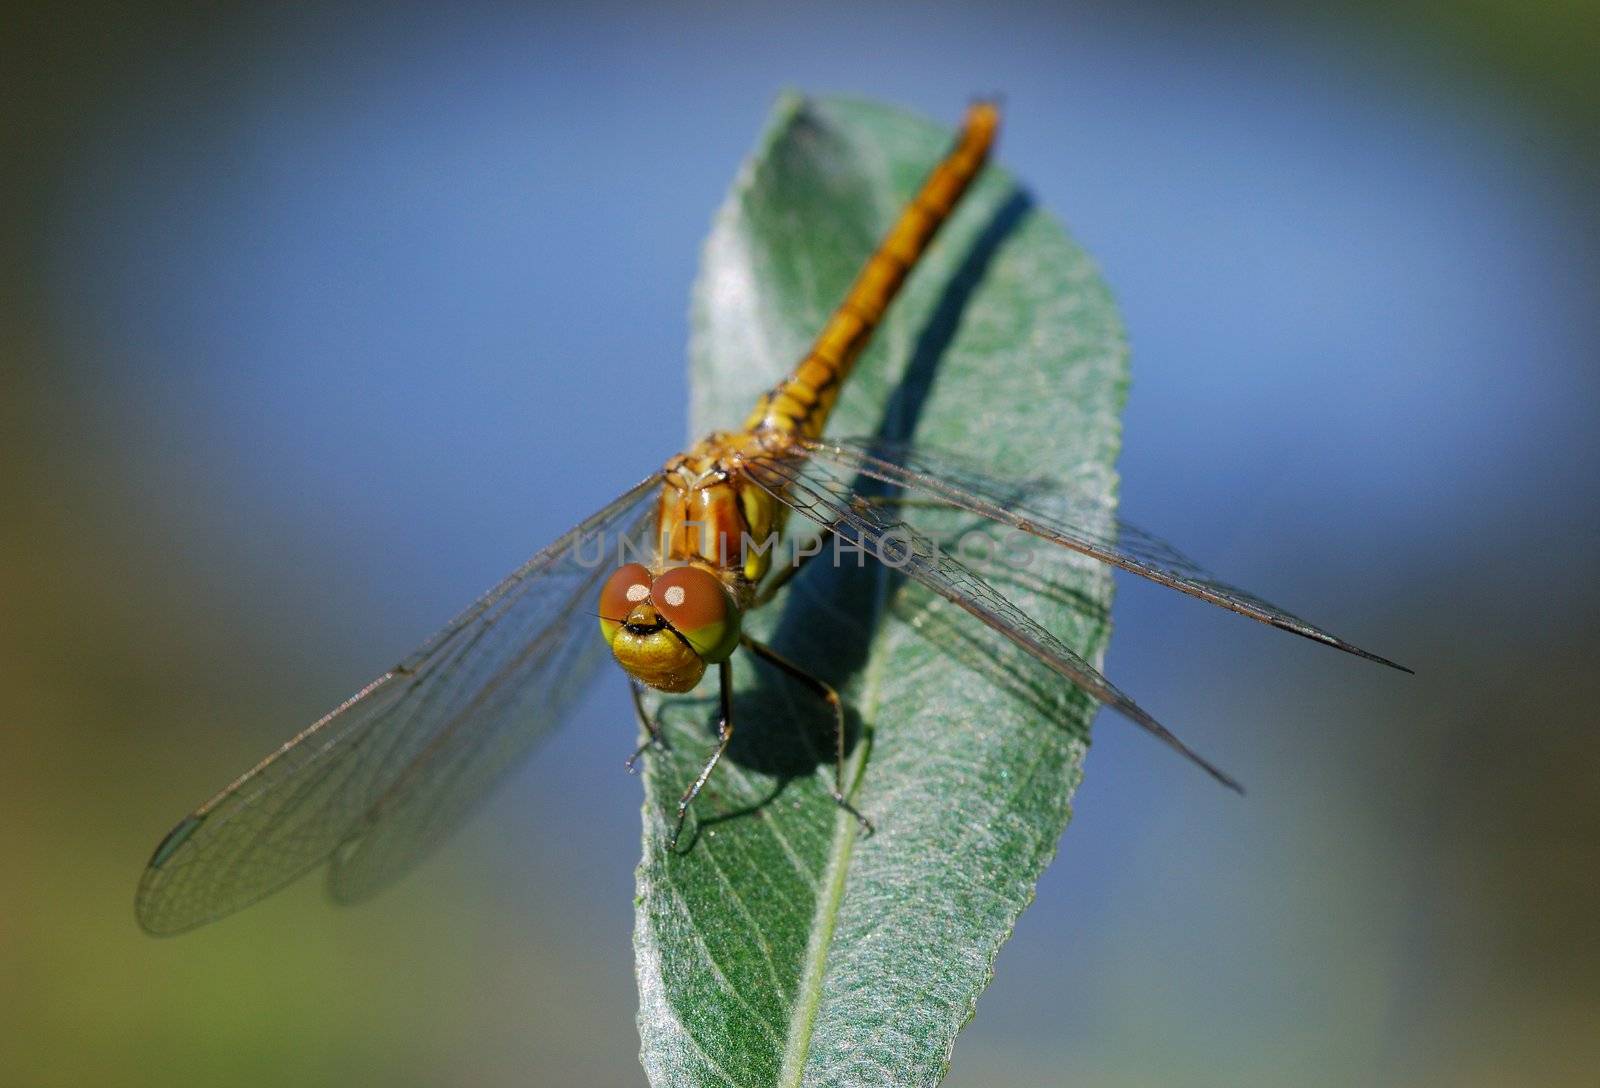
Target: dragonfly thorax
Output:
{"points": [[712, 514]]}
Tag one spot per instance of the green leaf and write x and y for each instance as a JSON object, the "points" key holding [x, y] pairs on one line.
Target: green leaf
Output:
{"points": [[780, 945]]}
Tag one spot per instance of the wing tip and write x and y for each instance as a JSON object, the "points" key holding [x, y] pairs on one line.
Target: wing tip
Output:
{"points": [[174, 839], [1370, 656], [1210, 768], [1227, 780], [1316, 634], [1407, 669], [151, 928], [1142, 718]]}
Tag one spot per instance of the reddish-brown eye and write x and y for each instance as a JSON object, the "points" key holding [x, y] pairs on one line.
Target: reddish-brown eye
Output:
{"points": [[700, 608], [626, 587]]}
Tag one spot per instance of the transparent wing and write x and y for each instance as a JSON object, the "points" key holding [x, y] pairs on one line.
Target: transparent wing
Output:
{"points": [[812, 486], [392, 770], [1088, 527]]}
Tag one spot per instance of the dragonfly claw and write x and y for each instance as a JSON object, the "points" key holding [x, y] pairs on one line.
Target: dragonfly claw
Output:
{"points": [[657, 741], [683, 816], [866, 824]]}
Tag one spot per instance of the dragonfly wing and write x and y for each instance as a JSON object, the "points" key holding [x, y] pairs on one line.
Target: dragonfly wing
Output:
{"points": [[389, 772], [813, 487], [1089, 526]]}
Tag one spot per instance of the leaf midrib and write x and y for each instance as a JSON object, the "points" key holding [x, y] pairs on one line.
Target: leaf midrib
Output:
{"points": [[809, 996], [846, 829]]}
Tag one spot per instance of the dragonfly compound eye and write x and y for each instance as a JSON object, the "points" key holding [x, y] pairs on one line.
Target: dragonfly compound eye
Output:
{"points": [[700, 608], [627, 587], [642, 636]]}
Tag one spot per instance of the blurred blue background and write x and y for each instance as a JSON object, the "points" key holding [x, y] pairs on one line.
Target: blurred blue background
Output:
{"points": [[318, 322]]}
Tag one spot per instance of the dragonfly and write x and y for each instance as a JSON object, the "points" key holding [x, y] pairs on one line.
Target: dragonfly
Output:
{"points": [[384, 777]]}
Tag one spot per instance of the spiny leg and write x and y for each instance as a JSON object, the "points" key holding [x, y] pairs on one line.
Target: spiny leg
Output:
{"points": [[657, 739], [724, 735], [830, 696], [825, 690]]}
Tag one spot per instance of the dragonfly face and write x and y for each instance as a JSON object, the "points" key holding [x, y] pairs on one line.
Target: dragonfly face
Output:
{"points": [[664, 629]]}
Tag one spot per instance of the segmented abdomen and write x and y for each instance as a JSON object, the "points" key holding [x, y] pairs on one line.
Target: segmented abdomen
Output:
{"points": [[801, 402]]}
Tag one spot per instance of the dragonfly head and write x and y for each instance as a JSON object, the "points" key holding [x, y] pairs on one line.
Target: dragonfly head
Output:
{"points": [[665, 629]]}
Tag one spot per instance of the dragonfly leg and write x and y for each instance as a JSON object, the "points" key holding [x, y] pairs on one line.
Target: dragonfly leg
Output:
{"points": [[829, 695], [724, 735], [657, 738]]}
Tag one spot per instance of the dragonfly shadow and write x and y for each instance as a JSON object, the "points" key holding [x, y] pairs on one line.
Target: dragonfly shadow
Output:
{"points": [[1005, 578], [782, 729], [1002, 665], [901, 414], [831, 613]]}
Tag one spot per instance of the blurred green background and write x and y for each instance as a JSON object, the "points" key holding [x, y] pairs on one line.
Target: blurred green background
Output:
{"points": [[316, 322]]}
